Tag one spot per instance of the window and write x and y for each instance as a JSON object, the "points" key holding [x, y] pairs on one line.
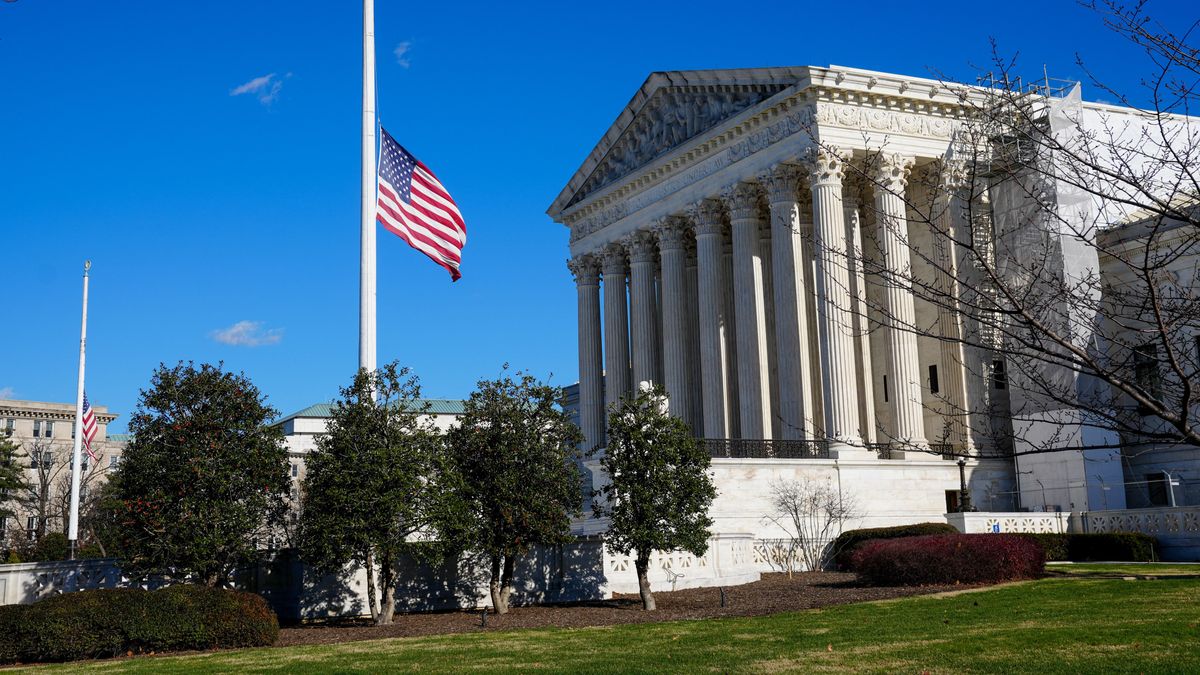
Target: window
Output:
{"points": [[37, 428], [295, 470], [9, 426], [1146, 373], [31, 528], [933, 380], [83, 465], [46, 459], [953, 501], [885, 391], [49, 428], [3, 525], [999, 377], [72, 431], [113, 461]]}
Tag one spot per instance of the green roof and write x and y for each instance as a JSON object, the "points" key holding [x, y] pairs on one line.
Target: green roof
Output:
{"points": [[437, 406]]}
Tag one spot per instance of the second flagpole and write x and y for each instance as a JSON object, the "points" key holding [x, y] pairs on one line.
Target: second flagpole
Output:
{"points": [[73, 516], [367, 325]]}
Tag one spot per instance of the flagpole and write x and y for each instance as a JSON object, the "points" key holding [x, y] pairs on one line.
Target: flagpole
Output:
{"points": [[73, 526], [366, 326]]}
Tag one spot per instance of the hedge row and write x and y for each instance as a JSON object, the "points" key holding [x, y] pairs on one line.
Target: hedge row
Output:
{"points": [[949, 559], [1102, 546], [849, 541], [112, 622]]}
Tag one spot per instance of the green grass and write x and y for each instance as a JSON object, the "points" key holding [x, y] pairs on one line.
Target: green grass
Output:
{"points": [[1066, 625], [1126, 569]]}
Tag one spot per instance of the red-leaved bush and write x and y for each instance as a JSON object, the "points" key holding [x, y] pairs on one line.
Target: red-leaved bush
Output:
{"points": [[949, 559]]}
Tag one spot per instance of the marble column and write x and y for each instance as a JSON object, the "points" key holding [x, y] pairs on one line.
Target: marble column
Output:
{"points": [[900, 314], [586, 270], [771, 372], [710, 296], [951, 204], [733, 421], [753, 385], [643, 260], [851, 199], [794, 370], [839, 385], [696, 415], [671, 233], [616, 326]]}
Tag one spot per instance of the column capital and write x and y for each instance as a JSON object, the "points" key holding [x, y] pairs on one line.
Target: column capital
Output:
{"points": [[826, 164], [672, 232], [782, 182], [586, 269], [743, 199], [891, 171], [641, 246], [614, 259], [951, 174], [709, 216]]}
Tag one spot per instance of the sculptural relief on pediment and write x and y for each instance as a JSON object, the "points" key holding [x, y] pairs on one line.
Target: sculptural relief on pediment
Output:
{"points": [[670, 118]]}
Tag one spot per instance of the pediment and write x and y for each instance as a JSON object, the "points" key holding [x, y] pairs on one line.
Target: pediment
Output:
{"points": [[669, 110]]}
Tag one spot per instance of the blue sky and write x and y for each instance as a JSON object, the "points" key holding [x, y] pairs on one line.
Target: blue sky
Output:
{"points": [[123, 140]]}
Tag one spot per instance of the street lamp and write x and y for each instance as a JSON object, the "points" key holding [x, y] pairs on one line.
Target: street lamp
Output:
{"points": [[964, 501]]}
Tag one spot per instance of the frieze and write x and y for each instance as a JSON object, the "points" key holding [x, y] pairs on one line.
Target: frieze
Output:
{"points": [[880, 119]]}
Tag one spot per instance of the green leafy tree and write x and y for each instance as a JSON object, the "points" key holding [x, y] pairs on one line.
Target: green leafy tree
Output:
{"points": [[13, 482], [202, 479], [517, 481], [659, 492], [371, 487]]}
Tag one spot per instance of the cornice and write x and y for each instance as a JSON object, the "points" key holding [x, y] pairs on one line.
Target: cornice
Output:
{"points": [[69, 415]]}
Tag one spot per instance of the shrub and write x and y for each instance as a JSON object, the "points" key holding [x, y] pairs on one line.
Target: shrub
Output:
{"points": [[1100, 546], [849, 541], [110, 622], [949, 559]]}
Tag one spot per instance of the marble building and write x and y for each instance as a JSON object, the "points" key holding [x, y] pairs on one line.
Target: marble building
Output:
{"points": [[722, 234]]}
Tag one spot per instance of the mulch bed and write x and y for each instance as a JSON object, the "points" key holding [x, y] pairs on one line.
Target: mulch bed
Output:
{"points": [[773, 594]]}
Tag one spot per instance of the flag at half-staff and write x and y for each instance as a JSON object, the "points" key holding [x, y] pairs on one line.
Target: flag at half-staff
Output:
{"points": [[89, 427], [414, 205]]}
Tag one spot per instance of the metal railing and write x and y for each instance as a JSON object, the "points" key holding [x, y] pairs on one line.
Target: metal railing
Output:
{"points": [[741, 448]]}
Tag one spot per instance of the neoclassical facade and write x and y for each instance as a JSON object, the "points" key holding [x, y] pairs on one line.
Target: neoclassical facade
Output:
{"points": [[720, 237]]}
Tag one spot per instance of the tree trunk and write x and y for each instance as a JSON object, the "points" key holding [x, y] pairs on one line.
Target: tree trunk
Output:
{"points": [[371, 601], [506, 579], [499, 599], [643, 571], [387, 579]]}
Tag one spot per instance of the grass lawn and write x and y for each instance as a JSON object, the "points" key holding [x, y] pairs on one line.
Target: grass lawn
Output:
{"points": [[1129, 569], [1064, 625]]}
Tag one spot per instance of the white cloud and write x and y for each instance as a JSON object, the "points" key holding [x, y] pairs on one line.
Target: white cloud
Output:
{"points": [[247, 334], [7, 392], [265, 88], [401, 53]]}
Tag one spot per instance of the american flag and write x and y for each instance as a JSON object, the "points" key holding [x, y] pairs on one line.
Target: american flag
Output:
{"points": [[89, 427], [414, 205]]}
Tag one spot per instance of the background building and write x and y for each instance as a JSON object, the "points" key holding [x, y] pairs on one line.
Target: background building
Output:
{"points": [[45, 433]]}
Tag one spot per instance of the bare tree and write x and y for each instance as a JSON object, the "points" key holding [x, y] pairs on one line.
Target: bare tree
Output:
{"points": [[813, 513], [1051, 253], [40, 497]]}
